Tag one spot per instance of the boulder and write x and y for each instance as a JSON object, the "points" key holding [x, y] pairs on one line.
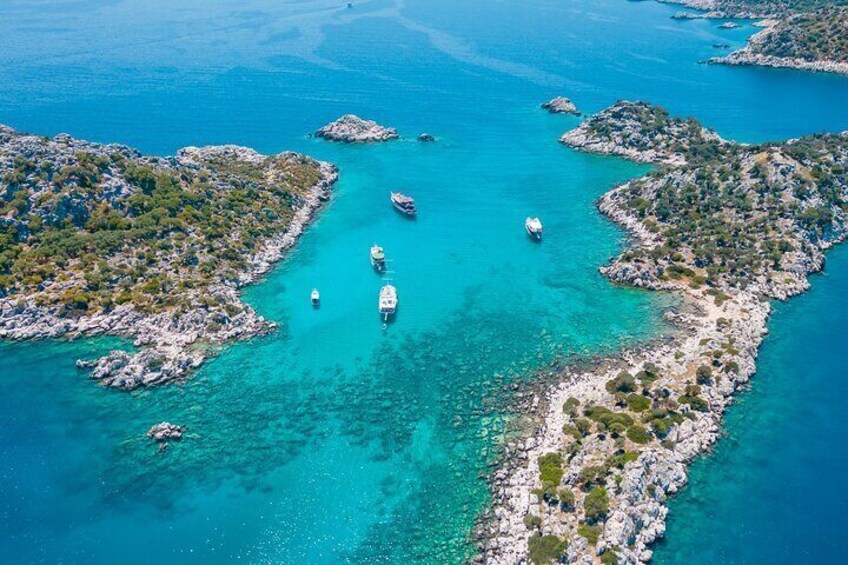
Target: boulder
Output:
{"points": [[165, 431]]}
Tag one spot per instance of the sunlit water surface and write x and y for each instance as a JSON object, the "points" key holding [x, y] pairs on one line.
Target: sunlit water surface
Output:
{"points": [[335, 440]]}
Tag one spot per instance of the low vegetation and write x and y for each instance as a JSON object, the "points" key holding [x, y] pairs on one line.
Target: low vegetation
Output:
{"points": [[546, 549], [819, 35], [88, 227]]}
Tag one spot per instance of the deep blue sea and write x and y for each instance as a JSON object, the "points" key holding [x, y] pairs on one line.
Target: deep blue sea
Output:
{"points": [[333, 440]]}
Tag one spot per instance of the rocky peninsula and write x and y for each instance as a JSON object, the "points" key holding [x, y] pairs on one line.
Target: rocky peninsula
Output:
{"points": [[353, 129], [814, 41], [726, 228], [805, 35], [101, 240]]}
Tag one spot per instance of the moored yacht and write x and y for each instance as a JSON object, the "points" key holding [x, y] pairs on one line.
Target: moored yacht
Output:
{"points": [[403, 203], [534, 228], [378, 257], [315, 297], [388, 302]]}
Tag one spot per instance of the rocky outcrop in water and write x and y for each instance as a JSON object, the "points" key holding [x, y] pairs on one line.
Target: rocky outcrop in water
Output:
{"points": [[353, 129], [561, 105], [165, 431]]}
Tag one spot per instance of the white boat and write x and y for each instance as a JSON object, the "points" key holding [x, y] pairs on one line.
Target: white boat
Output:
{"points": [[403, 203], [378, 257], [534, 228], [316, 298], [388, 301]]}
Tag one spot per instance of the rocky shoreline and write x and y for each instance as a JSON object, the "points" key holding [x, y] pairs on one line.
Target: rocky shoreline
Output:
{"points": [[172, 347], [171, 342], [590, 482], [745, 57], [638, 510]]}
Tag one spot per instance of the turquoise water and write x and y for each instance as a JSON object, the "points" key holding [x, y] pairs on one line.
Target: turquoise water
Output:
{"points": [[333, 440]]}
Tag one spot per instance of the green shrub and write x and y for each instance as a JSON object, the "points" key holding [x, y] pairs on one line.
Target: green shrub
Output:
{"points": [[638, 434], [619, 460], [637, 402], [545, 549], [659, 427], [584, 426], [596, 504], [616, 429], [591, 474], [591, 533], [624, 382], [566, 498], [550, 470], [532, 521], [695, 402], [606, 416], [731, 367], [571, 430], [609, 557], [704, 375]]}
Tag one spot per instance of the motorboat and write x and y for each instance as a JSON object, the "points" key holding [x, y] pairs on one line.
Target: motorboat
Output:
{"points": [[388, 302], [378, 257], [403, 204], [534, 228]]}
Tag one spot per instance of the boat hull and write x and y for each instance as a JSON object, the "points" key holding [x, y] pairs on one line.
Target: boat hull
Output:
{"points": [[405, 211], [534, 235]]}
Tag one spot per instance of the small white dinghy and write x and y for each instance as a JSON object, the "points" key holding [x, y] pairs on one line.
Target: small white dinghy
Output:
{"points": [[316, 298], [534, 228], [388, 302]]}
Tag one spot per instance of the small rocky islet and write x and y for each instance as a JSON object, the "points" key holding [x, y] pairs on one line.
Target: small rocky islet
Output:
{"points": [[165, 431], [561, 105], [353, 129], [724, 226], [101, 240]]}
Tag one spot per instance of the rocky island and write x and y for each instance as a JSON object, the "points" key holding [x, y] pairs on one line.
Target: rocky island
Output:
{"points": [[353, 129], [620, 130], [561, 105], [726, 228], [99, 239]]}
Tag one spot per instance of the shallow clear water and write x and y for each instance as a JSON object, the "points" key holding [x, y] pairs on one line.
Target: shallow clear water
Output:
{"points": [[333, 440]]}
